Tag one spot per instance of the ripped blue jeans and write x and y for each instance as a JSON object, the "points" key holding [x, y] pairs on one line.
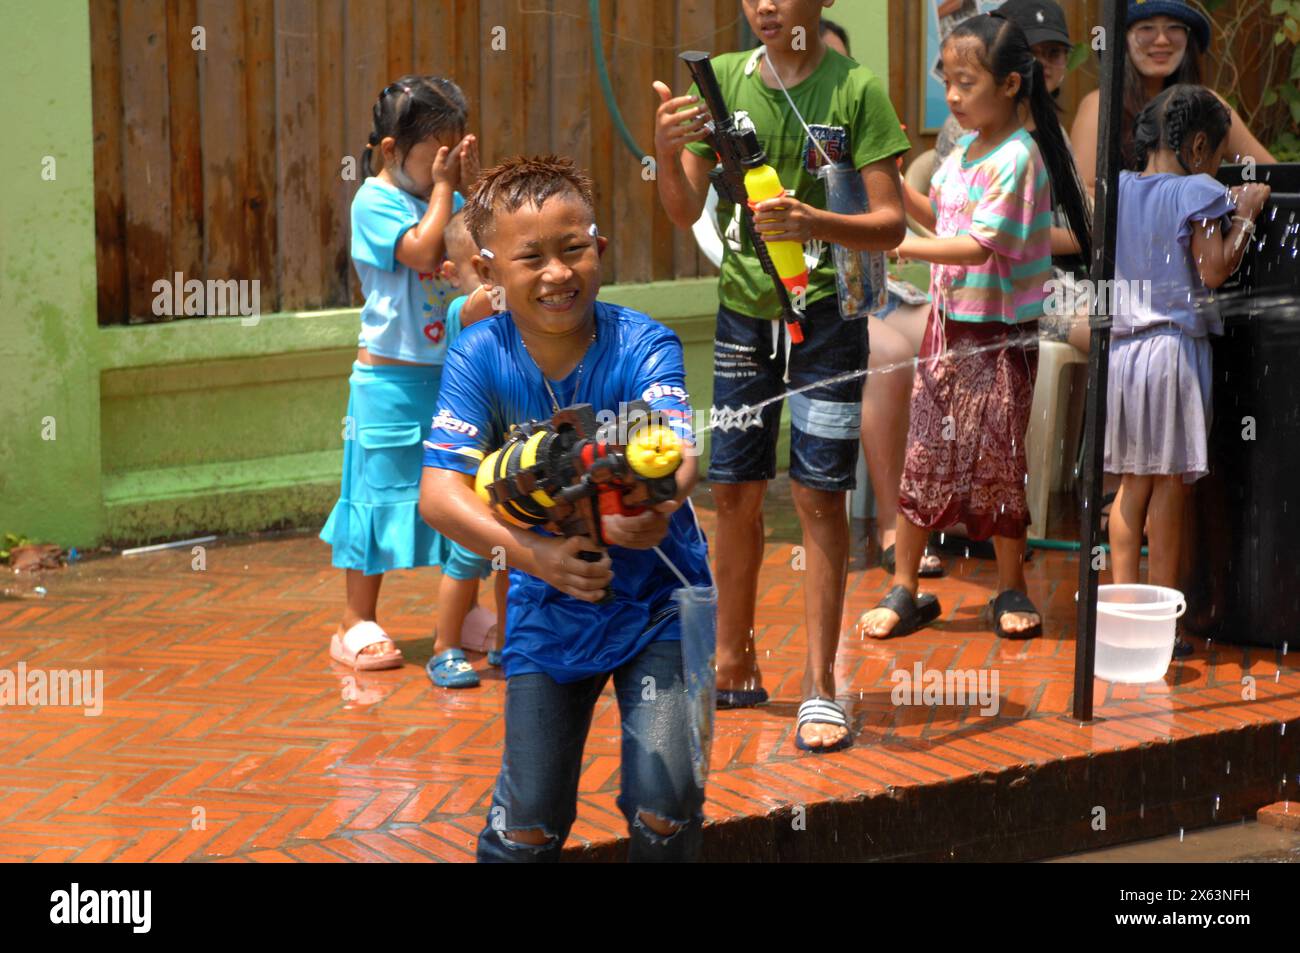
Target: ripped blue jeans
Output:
{"points": [[546, 728]]}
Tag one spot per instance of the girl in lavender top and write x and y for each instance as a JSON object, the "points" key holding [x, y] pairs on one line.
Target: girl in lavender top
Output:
{"points": [[1181, 233]]}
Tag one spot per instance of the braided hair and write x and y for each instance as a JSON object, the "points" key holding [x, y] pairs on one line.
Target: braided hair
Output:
{"points": [[413, 109], [1173, 118], [1006, 50]]}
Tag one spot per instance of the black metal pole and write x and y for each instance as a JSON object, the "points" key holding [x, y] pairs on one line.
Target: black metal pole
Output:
{"points": [[1109, 130]]}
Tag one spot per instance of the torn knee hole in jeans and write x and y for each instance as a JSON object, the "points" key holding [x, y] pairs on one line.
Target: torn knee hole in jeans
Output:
{"points": [[530, 838], [657, 825]]}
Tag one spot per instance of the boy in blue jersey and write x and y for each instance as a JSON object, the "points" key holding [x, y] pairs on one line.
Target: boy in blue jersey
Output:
{"points": [[533, 220]]}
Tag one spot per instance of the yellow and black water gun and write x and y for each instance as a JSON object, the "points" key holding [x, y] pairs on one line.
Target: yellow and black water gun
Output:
{"points": [[744, 178], [564, 474]]}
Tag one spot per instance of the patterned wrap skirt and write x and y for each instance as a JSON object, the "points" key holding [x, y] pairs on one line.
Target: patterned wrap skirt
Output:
{"points": [[971, 400]]}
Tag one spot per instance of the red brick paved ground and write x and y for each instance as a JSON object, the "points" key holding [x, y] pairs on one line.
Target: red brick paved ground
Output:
{"points": [[222, 705]]}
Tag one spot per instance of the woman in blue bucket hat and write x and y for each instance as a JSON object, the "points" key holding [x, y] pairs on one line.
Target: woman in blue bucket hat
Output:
{"points": [[1167, 43]]}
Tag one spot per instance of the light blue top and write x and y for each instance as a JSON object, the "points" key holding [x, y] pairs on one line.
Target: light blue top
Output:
{"points": [[454, 326], [404, 316], [1156, 215]]}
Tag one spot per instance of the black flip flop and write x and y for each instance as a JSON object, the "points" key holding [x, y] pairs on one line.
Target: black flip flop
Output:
{"points": [[912, 613], [729, 698], [1013, 600], [890, 565]]}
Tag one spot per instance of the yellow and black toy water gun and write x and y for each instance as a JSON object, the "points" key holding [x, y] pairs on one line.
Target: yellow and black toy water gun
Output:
{"points": [[564, 475], [744, 178]]}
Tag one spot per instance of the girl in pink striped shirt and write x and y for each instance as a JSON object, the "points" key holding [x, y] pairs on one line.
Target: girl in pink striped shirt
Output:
{"points": [[991, 205]]}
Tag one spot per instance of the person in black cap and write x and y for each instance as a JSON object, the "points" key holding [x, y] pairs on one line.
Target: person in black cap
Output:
{"points": [[1049, 36], [1167, 40]]}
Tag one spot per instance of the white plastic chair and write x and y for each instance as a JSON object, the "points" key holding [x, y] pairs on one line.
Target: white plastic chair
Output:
{"points": [[1049, 424]]}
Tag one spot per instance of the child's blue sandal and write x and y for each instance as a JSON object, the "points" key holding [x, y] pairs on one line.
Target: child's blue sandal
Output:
{"points": [[494, 658], [449, 669]]}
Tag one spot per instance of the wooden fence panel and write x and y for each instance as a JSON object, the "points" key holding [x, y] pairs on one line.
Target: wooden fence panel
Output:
{"points": [[146, 119], [224, 134], [261, 205], [643, 102], [571, 105], [603, 144], [401, 38], [338, 157], [534, 25], [232, 151], [110, 193], [297, 137], [186, 139], [634, 199]]}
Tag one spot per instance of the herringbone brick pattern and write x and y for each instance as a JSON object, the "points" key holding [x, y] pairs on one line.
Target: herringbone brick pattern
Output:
{"points": [[228, 734]]}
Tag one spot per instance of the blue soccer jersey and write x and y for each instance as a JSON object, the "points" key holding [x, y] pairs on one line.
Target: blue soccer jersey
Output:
{"points": [[489, 384]]}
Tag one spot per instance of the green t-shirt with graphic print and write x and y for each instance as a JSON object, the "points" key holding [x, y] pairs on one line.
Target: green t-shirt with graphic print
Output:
{"points": [[849, 112]]}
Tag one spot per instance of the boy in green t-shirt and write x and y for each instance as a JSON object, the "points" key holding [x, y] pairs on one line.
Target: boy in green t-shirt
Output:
{"points": [[848, 114]]}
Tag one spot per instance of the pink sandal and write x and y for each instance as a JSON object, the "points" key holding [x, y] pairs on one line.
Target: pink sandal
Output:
{"points": [[347, 649]]}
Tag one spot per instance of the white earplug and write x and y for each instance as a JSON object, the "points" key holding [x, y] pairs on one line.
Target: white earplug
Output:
{"points": [[486, 253]]}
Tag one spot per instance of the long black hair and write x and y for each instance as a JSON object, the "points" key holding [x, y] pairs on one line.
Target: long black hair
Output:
{"points": [[1005, 51], [1135, 92], [411, 110], [1172, 120]]}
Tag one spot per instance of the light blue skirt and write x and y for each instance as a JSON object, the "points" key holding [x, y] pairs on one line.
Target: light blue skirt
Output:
{"points": [[1159, 407], [375, 526]]}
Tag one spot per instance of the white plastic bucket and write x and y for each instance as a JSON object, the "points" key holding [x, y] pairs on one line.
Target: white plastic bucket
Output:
{"points": [[1136, 627]]}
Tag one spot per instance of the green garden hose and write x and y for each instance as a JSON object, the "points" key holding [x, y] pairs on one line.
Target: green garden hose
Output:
{"points": [[608, 90]]}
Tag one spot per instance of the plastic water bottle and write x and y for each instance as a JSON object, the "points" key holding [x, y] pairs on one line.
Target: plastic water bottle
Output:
{"points": [[762, 183]]}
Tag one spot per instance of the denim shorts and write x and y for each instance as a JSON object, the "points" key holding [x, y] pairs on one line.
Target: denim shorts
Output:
{"points": [[824, 419]]}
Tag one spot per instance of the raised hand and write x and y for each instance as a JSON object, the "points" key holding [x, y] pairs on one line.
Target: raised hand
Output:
{"points": [[676, 125]]}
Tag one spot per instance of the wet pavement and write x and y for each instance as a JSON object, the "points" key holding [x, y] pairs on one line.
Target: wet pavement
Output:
{"points": [[1247, 842], [228, 734]]}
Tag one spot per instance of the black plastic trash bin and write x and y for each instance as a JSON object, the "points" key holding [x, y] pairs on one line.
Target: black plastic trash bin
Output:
{"points": [[1241, 551]]}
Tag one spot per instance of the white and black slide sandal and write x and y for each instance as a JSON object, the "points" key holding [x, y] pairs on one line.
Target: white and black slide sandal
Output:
{"points": [[822, 711]]}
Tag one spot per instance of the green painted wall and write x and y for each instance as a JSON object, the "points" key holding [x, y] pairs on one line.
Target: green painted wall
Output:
{"points": [[211, 426], [867, 23], [48, 339]]}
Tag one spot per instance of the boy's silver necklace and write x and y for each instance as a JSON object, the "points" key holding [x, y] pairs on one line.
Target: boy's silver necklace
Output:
{"points": [[555, 404]]}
